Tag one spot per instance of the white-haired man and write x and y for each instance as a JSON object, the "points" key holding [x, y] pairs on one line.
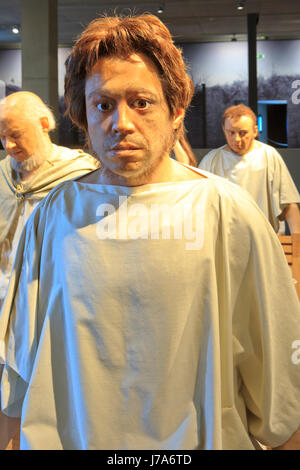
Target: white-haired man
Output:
{"points": [[33, 166]]}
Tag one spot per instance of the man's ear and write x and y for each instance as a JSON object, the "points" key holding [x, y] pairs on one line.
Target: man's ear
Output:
{"points": [[256, 131], [178, 118], [45, 124]]}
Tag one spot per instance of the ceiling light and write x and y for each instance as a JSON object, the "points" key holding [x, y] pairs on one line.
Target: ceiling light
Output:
{"points": [[15, 29], [160, 10], [240, 6]]}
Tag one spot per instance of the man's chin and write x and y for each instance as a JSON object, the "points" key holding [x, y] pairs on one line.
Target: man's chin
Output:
{"points": [[27, 165], [18, 157], [133, 174]]}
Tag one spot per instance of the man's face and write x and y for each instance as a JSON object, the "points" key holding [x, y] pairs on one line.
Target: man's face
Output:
{"points": [[240, 134], [18, 137], [129, 122]]}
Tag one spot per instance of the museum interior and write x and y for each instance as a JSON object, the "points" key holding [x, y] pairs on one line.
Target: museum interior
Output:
{"points": [[236, 52]]}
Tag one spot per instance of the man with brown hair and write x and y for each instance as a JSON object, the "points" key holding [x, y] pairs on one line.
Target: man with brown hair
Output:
{"points": [[256, 167], [140, 309]]}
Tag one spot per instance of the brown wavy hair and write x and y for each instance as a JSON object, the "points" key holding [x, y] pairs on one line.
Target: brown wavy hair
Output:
{"points": [[122, 36]]}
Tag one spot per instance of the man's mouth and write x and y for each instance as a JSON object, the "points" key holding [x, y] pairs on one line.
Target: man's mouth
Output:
{"points": [[124, 147], [16, 154]]}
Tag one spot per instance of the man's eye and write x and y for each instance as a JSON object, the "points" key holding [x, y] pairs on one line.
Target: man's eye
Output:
{"points": [[104, 107], [141, 104]]}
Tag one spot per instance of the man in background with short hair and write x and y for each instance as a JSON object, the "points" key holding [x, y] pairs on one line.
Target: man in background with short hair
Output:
{"points": [[256, 167]]}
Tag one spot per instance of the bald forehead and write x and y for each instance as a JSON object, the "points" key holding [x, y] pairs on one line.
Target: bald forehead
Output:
{"points": [[21, 97], [11, 102], [11, 114], [21, 109], [21, 101], [239, 122], [13, 119], [8, 127]]}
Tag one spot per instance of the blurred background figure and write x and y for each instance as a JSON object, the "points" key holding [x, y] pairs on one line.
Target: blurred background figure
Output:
{"points": [[256, 167]]}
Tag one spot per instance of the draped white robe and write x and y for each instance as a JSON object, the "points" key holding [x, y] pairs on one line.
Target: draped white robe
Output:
{"points": [[122, 331], [262, 172]]}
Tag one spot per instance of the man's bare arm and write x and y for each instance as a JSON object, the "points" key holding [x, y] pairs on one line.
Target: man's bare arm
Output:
{"points": [[291, 214], [293, 443]]}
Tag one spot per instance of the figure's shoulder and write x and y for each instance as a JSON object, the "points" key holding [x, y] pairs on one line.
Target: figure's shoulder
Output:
{"points": [[5, 172], [62, 191], [235, 207], [4, 161], [72, 154], [215, 152], [267, 150], [227, 191], [211, 156]]}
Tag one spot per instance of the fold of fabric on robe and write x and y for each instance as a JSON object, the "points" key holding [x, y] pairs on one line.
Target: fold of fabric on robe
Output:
{"points": [[262, 172], [17, 201], [161, 316]]}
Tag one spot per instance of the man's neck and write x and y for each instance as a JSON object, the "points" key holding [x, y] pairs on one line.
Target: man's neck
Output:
{"points": [[172, 171]]}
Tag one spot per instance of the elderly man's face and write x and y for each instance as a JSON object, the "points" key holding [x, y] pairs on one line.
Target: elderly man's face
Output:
{"points": [[19, 138], [240, 134], [129, 122]]}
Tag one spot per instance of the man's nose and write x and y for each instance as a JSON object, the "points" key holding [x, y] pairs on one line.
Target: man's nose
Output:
{"points": [[122, 122], [9, 143]]}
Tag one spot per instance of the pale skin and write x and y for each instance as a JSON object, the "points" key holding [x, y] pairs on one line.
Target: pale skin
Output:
{"points": [[292, 444], [240, 135], [130, 125]]}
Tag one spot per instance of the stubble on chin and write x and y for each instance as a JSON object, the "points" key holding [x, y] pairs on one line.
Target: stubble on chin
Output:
{"points": [[145, 169], [127, 177]]}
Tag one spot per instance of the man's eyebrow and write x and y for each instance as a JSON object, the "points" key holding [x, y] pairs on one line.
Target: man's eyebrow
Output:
{"points": [[105, 93], [144, 91]]}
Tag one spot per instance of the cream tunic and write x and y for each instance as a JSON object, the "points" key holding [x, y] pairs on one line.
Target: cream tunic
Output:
{"points": [[262, 172], [123, 329]]}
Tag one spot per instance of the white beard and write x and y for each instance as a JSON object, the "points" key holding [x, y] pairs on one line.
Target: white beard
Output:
{"points": [[29, 165]]}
